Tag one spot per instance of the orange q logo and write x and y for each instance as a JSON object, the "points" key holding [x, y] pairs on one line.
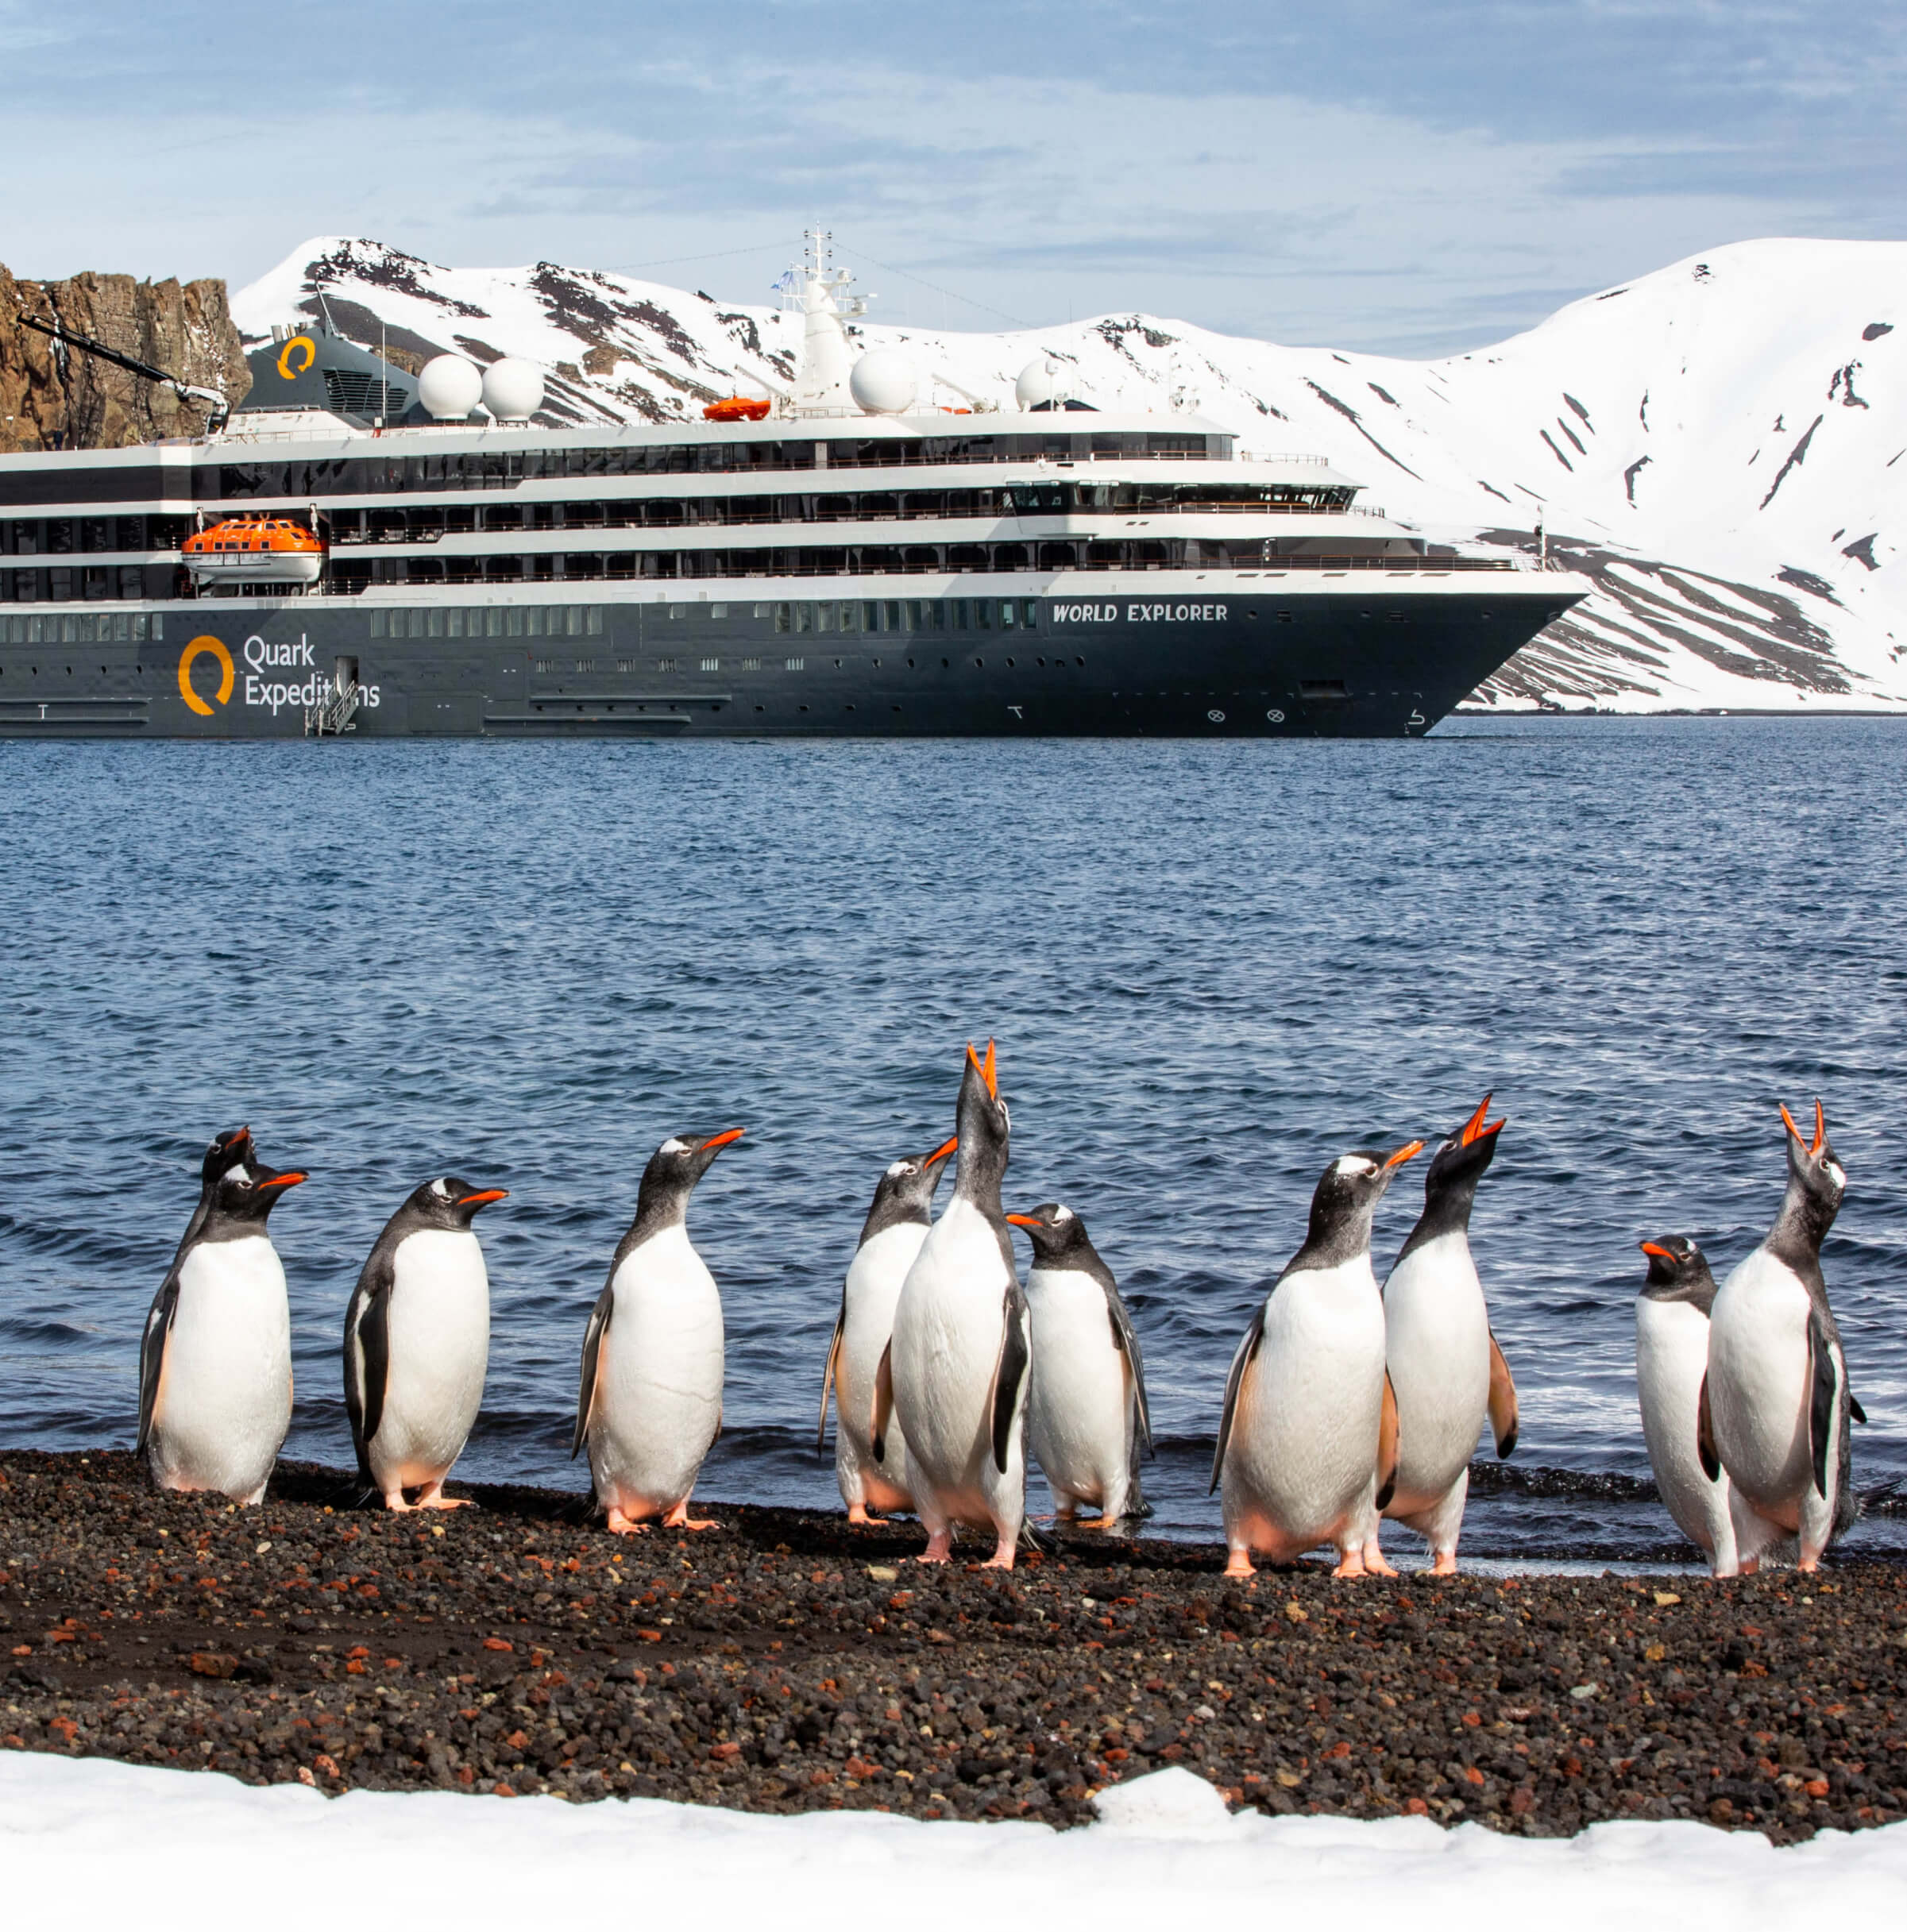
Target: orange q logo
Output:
{"points": [[285, 357], [211, 647]]}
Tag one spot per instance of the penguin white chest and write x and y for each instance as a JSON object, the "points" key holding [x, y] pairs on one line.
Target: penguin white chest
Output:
{"points": [[1758, 1381], [1671, 1357], [1303, 1446], [438, 1327], [1079, 1423], [1437, 1347], [948, 1328], [659, 1389], [225, 1393]]}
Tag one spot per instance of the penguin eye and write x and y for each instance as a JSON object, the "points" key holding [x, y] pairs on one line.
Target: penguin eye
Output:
{"points": [[672, 1146]]}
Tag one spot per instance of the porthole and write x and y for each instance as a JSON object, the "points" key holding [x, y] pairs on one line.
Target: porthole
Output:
{"points": [[979, 663], [1081, 662], [1009, 664], [1041, 662]]}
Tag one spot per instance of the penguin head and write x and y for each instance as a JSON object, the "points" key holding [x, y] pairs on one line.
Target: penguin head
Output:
{"points": [[673, 1172], [905, 1192], [1459, 1164], [232, 1149], [1678, 1272], [984, 1128], [1058, 1234], [448, 1202], [248, 1194], [1346, 1198], [1812, 1165]]}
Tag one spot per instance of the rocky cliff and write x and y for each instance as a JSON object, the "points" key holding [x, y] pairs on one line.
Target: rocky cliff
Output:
{"points": [[53, 397]]}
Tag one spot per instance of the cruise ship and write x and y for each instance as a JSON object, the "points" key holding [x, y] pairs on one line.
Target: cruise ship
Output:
{"points": [[357, 551]]}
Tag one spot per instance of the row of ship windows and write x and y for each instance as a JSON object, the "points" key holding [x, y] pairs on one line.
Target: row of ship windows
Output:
{"points": [[84, 627], [871, 617], [629, 666]]}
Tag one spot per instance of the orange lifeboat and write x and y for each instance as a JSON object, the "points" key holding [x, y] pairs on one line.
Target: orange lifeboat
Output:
{"points": [[254, 550], [738, 409]]}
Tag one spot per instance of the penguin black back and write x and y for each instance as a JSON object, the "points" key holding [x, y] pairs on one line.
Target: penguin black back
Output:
{"points": [[905, 1193], [1678, 1272], [1449, 1185]]}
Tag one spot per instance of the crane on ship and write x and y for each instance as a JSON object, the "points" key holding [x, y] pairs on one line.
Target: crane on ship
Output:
{"points": [[186, 391]]}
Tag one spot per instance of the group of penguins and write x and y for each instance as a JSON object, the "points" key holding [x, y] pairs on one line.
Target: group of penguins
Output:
{"points": [[1345, 1403]]}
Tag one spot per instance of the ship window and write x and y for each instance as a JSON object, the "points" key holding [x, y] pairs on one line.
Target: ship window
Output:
{"points": [[59, 535], [794, 664], [533, 622], [983, 613], [718, 610], [959, 613], [890, 616], [823, 617], [379, 623], [453, 623], [1029, 610], [26, 539], [513, 622], [1007, 614], [436, 627], [804, 619], [783, 620], [667, 664], [712, 664], [139, 626], [130, 579], [752, 664], [596, 620], [675, 612], [59, 585]]}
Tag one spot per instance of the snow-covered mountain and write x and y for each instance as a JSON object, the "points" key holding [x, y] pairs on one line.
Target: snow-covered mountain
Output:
{"points": [[1719, 444]]}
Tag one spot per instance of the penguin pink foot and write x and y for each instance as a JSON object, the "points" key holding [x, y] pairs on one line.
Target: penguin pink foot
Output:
{"points": [[1350, 1566], [619, 1524], [1376, 1564], [1002, 1558], [1238, 1566], [1443, 1564], [679, 1518], [940, 1547], [432, 1496]]}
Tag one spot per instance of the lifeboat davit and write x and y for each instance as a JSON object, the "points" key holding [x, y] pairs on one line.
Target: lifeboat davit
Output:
{"points": [[738, 409], [254, 550]]}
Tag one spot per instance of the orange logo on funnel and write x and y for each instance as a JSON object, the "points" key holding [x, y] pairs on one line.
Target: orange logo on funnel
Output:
{"points": [[284, 357], [207, 646]]}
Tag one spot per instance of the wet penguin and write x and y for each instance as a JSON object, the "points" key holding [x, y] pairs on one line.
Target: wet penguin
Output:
{"points": [[650, 1404], [1307, 1443], [955, 1375], [417, 1343], [1087, 1421], [215, 1361], [1671, 1357], [1446, 1368], [1776, 1405], [897, 1224]]}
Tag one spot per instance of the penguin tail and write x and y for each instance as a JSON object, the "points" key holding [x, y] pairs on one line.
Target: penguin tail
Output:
{"points": [[1030, 1539]]}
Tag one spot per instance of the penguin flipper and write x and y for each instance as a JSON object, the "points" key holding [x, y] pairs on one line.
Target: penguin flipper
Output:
{"points": [[159, 1321], [1823, 1381], [1387, 1445], [827, 1374], [1127, 1343], [1855, 1412], [1704, 1435], [1009, 1373], [593, 1347], [882, 1412], [1234, 1382], [368, 1355], [1502, 1403]]}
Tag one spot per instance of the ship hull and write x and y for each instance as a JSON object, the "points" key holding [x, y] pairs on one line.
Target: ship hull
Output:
{"points": [[1210, 655]]}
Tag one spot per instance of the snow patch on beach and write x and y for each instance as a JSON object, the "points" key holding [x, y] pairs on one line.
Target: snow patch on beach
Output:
{"points": [[88, 1841]]}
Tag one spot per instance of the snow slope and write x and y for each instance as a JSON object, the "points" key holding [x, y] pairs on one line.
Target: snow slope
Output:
{"points": [[87, 1842], [1719, 444]]}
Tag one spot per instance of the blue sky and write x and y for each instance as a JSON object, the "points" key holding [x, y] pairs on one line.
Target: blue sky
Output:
{"points": [[1413, 179]]}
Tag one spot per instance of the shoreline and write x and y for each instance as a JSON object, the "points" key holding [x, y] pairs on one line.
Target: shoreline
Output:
{"points": [[783, 1662]]}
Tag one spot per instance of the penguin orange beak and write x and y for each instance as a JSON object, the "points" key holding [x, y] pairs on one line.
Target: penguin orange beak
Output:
{"points": [[986, 1069], [282, 1180], [1820, 1127], [1026, 1220], [952, 1147], [722, 1140], [1407, 1153], [1656, 1249], [1474, 1129], [483, 1196]]}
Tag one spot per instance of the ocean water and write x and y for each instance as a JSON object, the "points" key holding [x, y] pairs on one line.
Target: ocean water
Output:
{"points": [[1210, 968]]}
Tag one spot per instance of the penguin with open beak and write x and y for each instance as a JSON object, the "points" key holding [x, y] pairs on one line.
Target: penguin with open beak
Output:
{"points": [[1776, 1405], [1445, 1366], [650, 1407], [1308, 1441], [956, 1373], [215, 1366], [897, 1224], [1671, 1357], [417, 1344]]}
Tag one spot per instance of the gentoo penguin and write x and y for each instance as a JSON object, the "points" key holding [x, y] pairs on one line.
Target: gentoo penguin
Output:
{"points": [[417, 1343], [1671, 1357], [650, 1405], [215, 1365], [1087, 1416], [1776, 1405], [1307, 1444], [955, 1375], [896, 1226], [1446, 1367]]}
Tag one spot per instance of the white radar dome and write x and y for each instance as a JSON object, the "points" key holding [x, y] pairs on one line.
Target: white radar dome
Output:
{"points": [[884, 383], [449, 387], [1043, 379], [513, 389]]}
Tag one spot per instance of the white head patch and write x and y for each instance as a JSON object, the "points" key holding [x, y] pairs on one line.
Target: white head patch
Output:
{"points": [[439, 1188], [672, 1146], [1062, 1213], [1352, 1164], [899, 1168]]}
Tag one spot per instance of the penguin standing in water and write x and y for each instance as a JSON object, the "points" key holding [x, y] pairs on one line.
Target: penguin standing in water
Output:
{"points": [[1446, 1368], [955, 1375], [1307, 1444], [1087, 1416], [1776, 1405], [650, 1405], [417, 1344], [1671, 1357], [215, 1362], [897, 1224]]}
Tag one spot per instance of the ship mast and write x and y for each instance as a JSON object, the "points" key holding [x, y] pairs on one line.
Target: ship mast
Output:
{"points": [[820, 291]]}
